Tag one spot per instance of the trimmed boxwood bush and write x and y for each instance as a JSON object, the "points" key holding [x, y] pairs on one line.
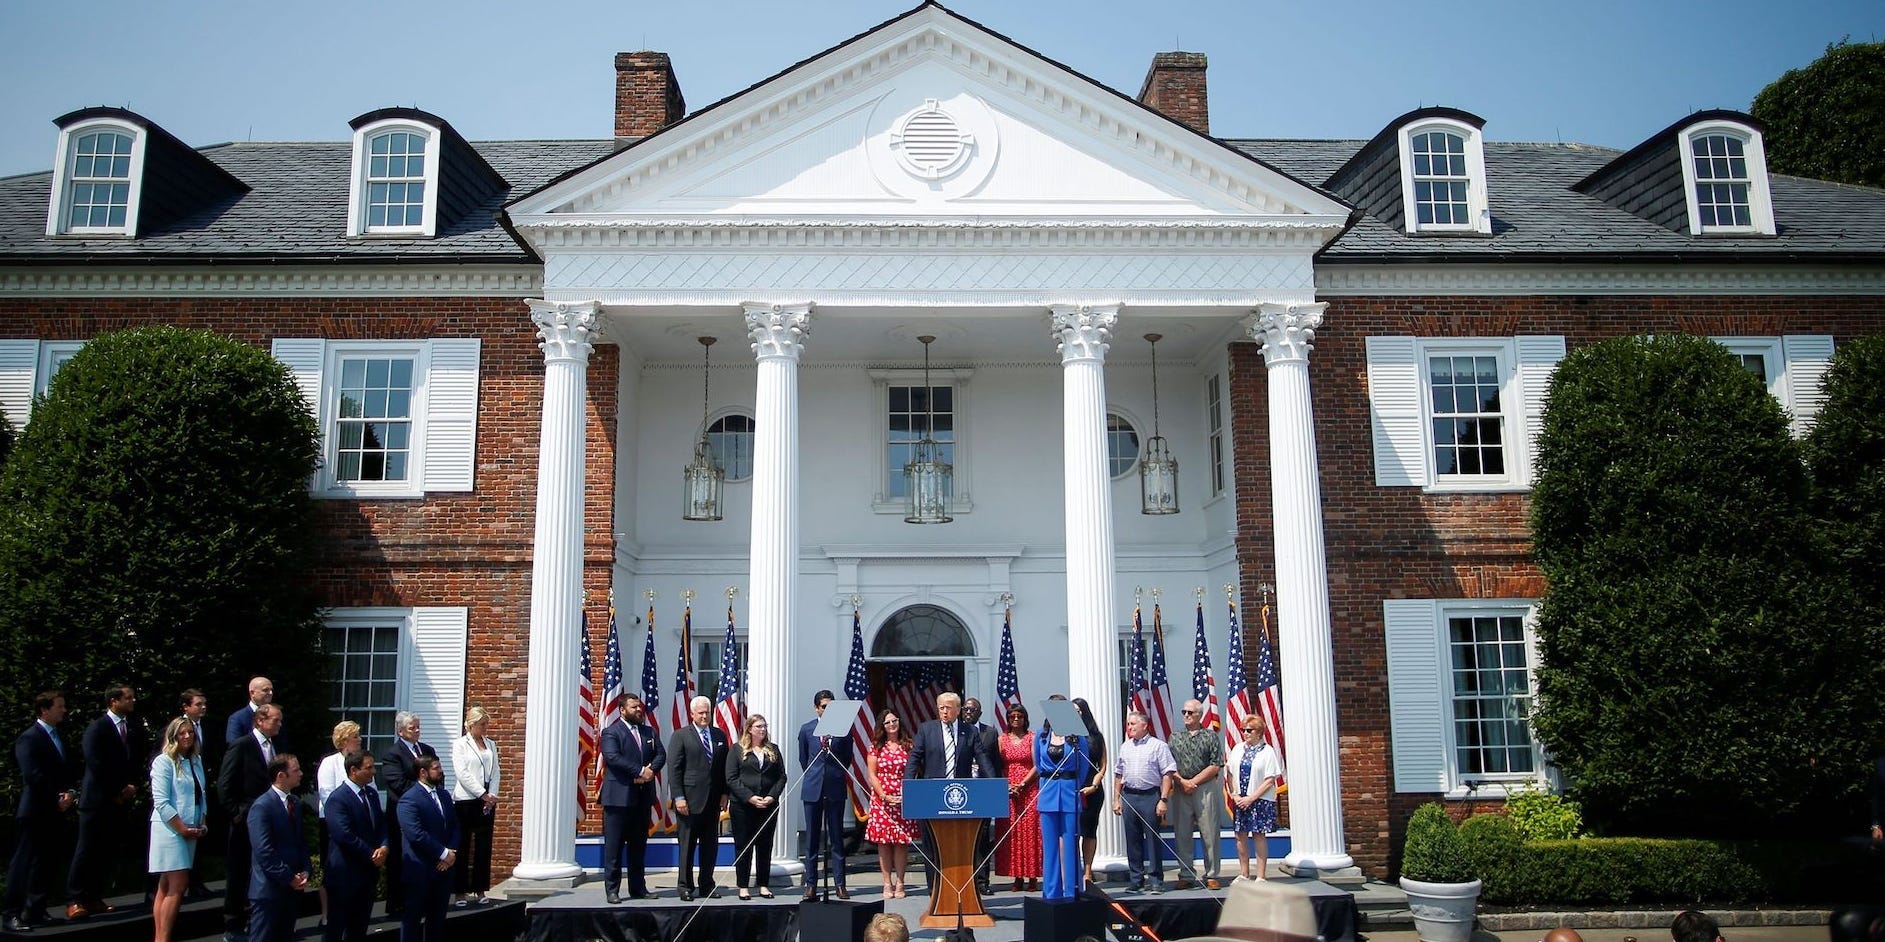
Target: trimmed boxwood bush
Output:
{"points": [[1434, 852]]}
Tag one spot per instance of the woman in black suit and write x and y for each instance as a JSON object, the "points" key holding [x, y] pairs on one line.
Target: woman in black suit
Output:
{"points": [[755, 779]]}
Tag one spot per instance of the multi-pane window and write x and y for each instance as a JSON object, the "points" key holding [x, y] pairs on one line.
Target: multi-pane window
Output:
{"points": [[364, 658], [1722, 182], [707, 667], [53, 356], [1468, 418], [373, 422], [1122, 445], [100, 181], [1490, 663], [1214, 420], [731, 438], [912, 411], [1440, 179], [396, 180]]}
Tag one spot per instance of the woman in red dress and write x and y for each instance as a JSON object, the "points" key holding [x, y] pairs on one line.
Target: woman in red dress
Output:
{"points": [[1020, 853], [888, 828]]}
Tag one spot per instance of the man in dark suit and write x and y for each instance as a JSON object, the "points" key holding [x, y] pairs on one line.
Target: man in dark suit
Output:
{"points": [[431, 847], [698, 780], [631, 755], [945, 748], [242, 779], [194, 707], [45, 794], [825, 761], [399, 770], [278, 871], [261, 690], [356, 849], [990, 740], [115, 762]]}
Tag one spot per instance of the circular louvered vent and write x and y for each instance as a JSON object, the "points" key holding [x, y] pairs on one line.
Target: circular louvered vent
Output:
{"points": [[930, 143]]}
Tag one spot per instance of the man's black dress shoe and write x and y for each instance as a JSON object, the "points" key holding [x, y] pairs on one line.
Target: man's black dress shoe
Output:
{"points": [[611, 895], [16, 924], [810, 893], [641, 896], [687, 896]]}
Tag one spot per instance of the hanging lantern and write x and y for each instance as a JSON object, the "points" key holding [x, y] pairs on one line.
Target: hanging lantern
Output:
{"points": [[1158, 470], [703, 480], [927, 478]]}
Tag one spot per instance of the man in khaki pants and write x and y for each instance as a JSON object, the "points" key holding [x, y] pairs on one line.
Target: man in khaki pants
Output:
{"points": [[1197, 796]]}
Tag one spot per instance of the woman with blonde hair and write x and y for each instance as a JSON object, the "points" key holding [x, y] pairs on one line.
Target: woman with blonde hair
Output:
{"points": [[755, 780], [331, 775], [177, 821], [1250, 774], [474, 793]]}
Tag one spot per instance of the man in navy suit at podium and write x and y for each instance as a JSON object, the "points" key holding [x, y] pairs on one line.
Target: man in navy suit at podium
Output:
{"points": [[824, 794], [946, 747]]}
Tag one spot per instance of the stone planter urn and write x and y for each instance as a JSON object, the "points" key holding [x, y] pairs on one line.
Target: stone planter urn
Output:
{"points": [[1443, 912]]}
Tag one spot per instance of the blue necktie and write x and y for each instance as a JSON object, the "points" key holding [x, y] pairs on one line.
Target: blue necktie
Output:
{"points": [[372, 800], [706, 740]]}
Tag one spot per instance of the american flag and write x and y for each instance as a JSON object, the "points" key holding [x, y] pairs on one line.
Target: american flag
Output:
{"points": [[612, 688], [1007, 681], [1163, 708], [729, 709], [650, 707], [683, 676], [587, 745], [937, 682], [857, 687], [1135, 668], [1203, 685], [1267, 692], [1236, 693]]}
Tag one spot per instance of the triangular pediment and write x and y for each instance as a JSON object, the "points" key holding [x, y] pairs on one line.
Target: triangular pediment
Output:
{"points": [[929, 116]]}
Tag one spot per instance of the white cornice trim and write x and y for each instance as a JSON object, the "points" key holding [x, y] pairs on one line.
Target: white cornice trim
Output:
{"points": [[1728, 277], [608, 231], [223, 281]]}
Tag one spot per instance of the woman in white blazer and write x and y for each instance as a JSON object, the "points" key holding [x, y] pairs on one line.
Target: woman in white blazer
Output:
{"points": [[177, 815], [474, 793]]}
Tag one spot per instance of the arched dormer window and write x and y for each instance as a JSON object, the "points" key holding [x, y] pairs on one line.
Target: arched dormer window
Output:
{"points": [[95, 190], [1443, 176], [395, 178], [1724, 169]]}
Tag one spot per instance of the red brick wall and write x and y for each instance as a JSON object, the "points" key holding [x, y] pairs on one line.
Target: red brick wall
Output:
{"points": [[1400, 543], [446, 549]]}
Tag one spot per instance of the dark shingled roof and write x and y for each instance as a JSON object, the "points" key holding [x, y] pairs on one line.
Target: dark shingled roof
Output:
{"points": [[296, 211]]}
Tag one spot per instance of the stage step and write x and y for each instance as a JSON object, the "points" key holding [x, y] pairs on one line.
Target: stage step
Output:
{"points": [[1381, 907]]}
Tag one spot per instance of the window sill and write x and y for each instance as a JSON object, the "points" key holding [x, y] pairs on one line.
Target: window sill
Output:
{"points": [[1491, 487], [1494, 791], [957, 507], [334, 492]]}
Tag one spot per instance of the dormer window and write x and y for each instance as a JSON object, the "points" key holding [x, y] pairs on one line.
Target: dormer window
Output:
{"points": [[396, 166], [95, 192], [1726, 171], [1443, 177]]}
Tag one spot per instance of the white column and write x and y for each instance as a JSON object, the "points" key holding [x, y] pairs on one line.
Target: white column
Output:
{"points": [[1317, 842], [556, 590], [1093, 649], [778, 333]]}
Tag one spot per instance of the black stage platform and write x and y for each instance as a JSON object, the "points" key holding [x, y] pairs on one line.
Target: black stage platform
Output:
{"points": [[498, 921], [583, 914]]}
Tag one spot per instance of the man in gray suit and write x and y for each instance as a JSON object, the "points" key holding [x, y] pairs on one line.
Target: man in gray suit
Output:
{"points": [[697, 762]]}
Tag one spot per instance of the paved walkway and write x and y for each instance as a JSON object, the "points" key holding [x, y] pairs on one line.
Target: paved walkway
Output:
{"points": [[1734, 934]]}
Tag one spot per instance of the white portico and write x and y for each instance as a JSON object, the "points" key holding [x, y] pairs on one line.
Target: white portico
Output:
{"points": [[925, 179]]}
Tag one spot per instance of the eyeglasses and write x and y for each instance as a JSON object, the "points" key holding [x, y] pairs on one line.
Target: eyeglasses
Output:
{"points": [[1253, 729], [1188, 712]]}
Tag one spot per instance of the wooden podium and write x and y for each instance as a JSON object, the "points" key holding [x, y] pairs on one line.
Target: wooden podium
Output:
{"points": [[954, 809]]}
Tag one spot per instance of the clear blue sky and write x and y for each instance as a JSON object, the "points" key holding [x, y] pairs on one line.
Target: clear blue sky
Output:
{"points": [[1606, 72]]}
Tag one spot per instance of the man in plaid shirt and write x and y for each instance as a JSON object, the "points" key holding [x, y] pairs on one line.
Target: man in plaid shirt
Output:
{"points": [[1197, 794]]}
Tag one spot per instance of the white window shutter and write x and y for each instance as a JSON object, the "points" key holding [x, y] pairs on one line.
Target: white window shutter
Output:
{"points": [[304, 360], [1394, 399], [451, 415], [19, 376], [1538, 358], [433, 681], [1808, 356], [1417, 705]]}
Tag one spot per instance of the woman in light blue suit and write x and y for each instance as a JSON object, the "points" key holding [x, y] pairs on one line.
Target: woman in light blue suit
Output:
{"points": [[177, 819], [1064, 765]]}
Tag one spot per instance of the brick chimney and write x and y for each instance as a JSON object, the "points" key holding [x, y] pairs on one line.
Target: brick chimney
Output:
{"points": [[1174, 87], [647, 96]]}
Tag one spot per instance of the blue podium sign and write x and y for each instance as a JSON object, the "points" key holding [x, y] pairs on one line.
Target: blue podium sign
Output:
{"points": [[945, 798]]}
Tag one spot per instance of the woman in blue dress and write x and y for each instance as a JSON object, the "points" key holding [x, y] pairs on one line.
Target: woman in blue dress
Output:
{"points": [[1250, 773], [1063, 766], [177, 815]]}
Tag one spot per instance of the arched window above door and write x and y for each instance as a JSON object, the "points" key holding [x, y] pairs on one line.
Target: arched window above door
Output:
{"points": [[923, 631]]}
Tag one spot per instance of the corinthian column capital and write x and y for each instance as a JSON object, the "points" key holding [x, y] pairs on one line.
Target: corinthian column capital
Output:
{"points": [[563, 328], [1081, 330], [1287, 331], [778, 330]]}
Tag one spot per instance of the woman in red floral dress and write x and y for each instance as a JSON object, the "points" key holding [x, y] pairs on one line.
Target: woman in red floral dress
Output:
{"points": [[1020, 853], [888, 828]]}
